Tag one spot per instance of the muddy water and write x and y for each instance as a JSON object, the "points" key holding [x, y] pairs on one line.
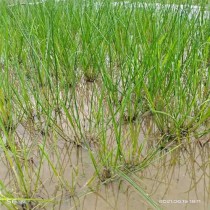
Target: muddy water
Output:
{"points": [[64, 174], [182, 176]]}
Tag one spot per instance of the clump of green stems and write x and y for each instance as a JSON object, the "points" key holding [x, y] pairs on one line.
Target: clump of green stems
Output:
{"points": [[138, 60]]}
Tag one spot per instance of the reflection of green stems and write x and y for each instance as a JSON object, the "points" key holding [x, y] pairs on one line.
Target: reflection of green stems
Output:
{"points": [[139, 189]]}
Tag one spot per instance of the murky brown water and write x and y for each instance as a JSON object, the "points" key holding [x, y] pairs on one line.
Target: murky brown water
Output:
{"points": [[182, 176], [178, 180]]}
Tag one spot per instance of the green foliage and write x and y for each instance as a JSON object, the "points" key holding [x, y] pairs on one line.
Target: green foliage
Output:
{"points": [[101, 69]]}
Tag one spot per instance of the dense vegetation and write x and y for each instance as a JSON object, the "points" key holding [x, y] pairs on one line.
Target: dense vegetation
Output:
{"points": [[91, 75]]}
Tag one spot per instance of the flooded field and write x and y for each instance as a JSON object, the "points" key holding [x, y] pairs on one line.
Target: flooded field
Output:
{"points": [[178, 177], [59, 173], [104, 106]]}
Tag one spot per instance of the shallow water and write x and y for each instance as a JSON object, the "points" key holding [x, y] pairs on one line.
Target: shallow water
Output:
{"points": [[177, 180], [182, 176]]}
